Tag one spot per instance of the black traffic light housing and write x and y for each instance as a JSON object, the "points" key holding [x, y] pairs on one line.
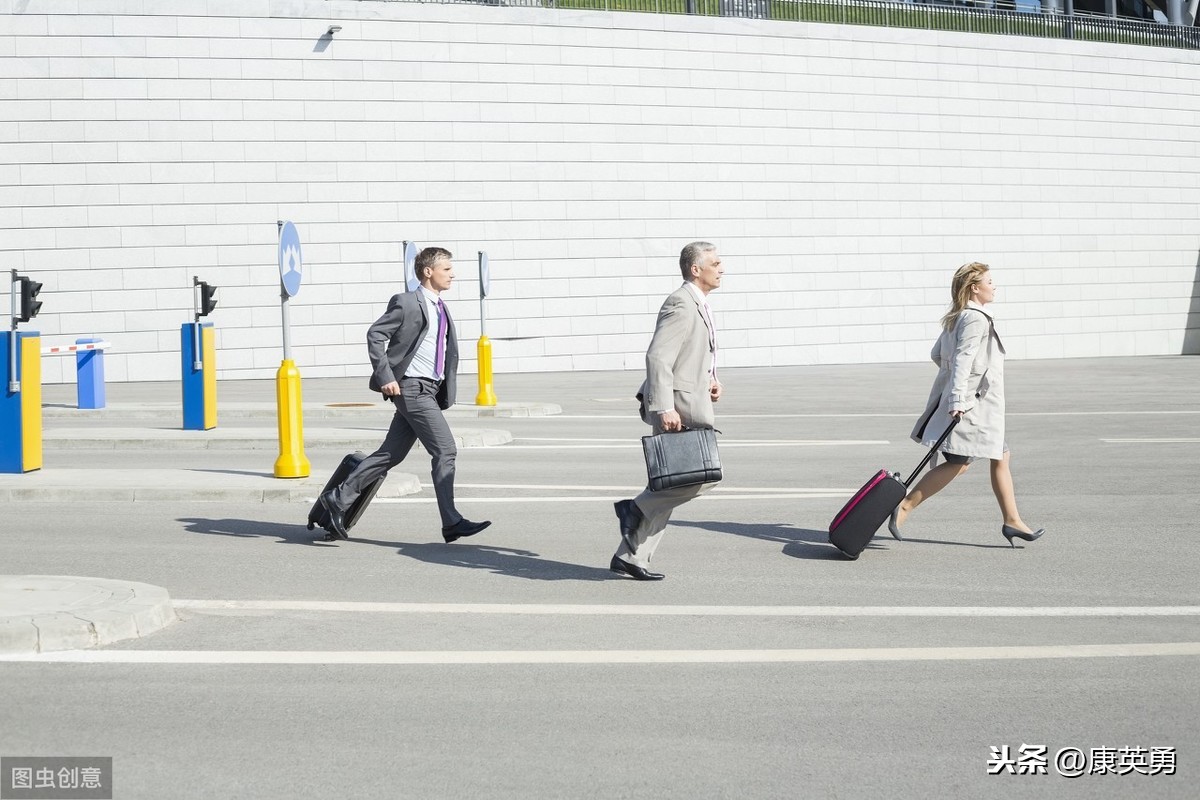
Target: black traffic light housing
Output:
{"points": [[30, 305], [206, 298]]}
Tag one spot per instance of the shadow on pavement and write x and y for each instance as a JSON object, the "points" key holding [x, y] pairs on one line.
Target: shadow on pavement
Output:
{"points": [[246, 528], [809, 543], [959, 544], [250, 472], [797, 542], [500, 560]]}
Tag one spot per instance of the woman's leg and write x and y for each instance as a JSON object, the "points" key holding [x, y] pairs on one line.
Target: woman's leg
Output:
{"points": [[1002, 486], [933, 482]]}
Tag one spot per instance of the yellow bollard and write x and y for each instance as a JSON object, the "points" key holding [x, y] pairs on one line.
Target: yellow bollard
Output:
{"points": [[291, 462], [486, 396]]}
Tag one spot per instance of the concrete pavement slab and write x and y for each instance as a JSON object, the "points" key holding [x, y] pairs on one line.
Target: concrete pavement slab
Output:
{"points": [[157, 410], [240, 438], [40, 613], [130, 485]]}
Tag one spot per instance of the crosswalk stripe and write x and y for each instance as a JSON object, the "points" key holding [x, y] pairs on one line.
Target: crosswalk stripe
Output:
{"points": [[618, 609], [499, 657]]}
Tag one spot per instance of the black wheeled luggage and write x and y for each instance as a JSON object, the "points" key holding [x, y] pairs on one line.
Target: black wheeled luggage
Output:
{"points": [[862, 516], [319, 516]]}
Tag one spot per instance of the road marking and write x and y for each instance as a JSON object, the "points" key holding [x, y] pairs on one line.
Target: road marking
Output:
{"points": [[606, 498], [724, 442], [1151, 441], [618, 609], [625, 489], [871, 415], [496, 657], [625, 444]]}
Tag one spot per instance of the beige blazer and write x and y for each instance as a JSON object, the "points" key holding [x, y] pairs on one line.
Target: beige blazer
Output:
{"points": [[678, 363], [970, 378]]}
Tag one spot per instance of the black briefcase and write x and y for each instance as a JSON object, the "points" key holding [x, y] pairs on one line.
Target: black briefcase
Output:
{"points": [[682, 458]]}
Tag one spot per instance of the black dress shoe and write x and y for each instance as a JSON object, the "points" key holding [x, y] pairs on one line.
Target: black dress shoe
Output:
{"points": [[630, 517], [337, 517], [464, 527], [634, 571]]}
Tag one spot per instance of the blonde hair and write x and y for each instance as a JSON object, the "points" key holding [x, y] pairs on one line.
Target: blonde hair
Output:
{"points": [[965, 277]]}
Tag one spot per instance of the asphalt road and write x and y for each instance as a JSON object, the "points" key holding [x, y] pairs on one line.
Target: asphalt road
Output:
{"points": [[516, 665]]}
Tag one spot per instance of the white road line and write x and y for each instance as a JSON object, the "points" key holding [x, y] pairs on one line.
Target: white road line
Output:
{"points": [[605, 498], [607, 610], [627, 445], [624, 489], [496, 657], [724, 442], [881, 415], [1151, 441]]}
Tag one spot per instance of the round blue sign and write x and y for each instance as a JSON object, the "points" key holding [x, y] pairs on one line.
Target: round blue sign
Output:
{"points": [[410, 267], [485, 275], [290, 266]]}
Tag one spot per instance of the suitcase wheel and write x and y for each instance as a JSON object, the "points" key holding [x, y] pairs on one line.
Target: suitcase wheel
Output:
{"points": [[847, 555]]}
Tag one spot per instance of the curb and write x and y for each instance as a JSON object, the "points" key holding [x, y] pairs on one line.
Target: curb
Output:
{"points": [[240, 439], [145, 486], [269, 411], [62, 612]]}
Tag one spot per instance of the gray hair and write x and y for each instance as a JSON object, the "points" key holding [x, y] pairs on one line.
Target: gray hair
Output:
{"points": [[690, 256]]}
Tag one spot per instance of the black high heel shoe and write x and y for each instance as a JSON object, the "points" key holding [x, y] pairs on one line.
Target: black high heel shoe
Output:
{"points": [[1010, 532]]}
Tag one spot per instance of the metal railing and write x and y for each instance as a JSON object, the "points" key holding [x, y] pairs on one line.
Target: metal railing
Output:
{"points": [[1039, 18]]}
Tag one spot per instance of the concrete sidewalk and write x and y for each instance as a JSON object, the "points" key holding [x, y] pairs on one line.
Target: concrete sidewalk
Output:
{"points": [[40, 613], [339, 417], [366, 437]]}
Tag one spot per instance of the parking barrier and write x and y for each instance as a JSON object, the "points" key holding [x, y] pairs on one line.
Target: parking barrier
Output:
{"points": [[89, 368]]}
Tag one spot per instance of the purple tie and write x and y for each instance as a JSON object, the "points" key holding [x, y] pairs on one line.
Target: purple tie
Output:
{"points": [[440, 356]]}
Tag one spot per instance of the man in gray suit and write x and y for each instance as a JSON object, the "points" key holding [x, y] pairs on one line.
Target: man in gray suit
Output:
{"points": [[680, 387], [414, 357]]}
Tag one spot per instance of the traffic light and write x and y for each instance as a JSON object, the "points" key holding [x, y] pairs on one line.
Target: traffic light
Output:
{"points": [[208, 298], [30, 305]]}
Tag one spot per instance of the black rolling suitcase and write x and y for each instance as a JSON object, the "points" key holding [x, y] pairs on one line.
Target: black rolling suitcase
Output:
{"points": [[319, 516], [856, 523]]}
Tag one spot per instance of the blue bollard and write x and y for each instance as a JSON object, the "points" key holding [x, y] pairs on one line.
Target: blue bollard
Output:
{"points": [[21, 411], [89, 368], [199, 385]]}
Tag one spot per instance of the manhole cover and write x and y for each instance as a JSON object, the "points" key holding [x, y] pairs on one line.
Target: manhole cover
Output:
{"points": [[349, 405]]}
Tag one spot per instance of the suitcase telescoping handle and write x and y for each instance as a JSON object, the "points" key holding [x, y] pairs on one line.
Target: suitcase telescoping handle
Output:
{"points": [[932, 450]]}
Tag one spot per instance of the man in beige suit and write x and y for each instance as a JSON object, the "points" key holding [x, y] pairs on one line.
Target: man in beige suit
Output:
{"points": [[680, 387]]}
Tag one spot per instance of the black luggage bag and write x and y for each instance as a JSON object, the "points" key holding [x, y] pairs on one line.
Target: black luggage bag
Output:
{"points": [[319, 516], [862, 516]]}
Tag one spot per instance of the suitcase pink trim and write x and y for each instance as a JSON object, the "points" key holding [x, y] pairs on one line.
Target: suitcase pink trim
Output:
{"points": [[854, 501]]}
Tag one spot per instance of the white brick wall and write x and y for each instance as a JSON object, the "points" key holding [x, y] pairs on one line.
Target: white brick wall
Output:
{"points": [[844, 173]]}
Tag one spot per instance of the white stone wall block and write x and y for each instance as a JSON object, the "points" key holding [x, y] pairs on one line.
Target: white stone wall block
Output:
{"points": [[830, 158]]}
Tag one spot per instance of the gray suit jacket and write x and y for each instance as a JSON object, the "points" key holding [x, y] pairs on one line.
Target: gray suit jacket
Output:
{"points": [[678, 362], [393, 340]]}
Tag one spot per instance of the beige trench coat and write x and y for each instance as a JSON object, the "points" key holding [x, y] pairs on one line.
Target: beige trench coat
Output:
{"points": [[970, 359]]}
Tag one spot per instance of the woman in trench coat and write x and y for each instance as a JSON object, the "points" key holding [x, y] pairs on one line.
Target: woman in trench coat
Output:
{"points": [[969, 387]]}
